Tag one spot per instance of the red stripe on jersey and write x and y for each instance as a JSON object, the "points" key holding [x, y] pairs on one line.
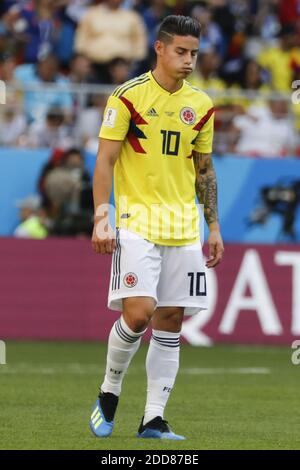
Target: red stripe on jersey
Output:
{"points": [[135, 143], [135, 116], [205, 118]]}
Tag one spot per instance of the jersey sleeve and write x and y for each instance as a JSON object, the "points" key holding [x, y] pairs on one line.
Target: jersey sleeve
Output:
{"points": [[204, 139], [116, 120]]}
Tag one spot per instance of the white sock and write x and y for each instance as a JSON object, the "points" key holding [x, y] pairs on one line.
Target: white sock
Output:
{"points": [[162, 365], [123, 343]]}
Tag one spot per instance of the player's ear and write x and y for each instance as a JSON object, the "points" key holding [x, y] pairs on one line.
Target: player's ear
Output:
{"points": [[159, 47]]}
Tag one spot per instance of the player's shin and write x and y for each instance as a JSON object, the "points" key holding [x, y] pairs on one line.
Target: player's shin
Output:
{"points": [[162, 365], [122, 345]]}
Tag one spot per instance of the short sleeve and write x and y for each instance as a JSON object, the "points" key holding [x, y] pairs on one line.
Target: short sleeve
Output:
{"points": [[204, 139], [116, 120]]}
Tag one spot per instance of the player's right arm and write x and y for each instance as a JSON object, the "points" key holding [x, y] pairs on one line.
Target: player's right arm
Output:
{"points": [[112, 134], [103, 239]]}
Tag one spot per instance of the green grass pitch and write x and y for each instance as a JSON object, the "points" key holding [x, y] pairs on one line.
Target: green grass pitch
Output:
{"points": [[226, 397]]}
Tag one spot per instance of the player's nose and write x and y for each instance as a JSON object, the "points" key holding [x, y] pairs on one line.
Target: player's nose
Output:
{"points": [[188, 60]]}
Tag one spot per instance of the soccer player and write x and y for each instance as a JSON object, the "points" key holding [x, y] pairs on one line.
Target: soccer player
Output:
{"points": [[156, 138]]}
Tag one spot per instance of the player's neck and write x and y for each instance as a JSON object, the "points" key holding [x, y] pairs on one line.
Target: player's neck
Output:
{"points": [[168, 83]]}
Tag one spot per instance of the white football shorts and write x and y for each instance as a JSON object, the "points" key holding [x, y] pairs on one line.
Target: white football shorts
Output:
{"points": [[174, 276]]}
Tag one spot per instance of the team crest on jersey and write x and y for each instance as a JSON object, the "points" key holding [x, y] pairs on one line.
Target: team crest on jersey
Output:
{"points": [[188, 115], [130, 280]]}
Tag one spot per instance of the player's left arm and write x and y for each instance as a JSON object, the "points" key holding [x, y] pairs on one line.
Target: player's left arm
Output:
{"points": [[206, 190]]}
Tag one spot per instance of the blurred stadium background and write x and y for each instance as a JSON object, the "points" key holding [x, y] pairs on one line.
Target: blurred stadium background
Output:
{"points": [[59, 60]]}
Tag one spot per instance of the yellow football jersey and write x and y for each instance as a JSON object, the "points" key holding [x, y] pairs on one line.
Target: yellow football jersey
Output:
{"points": [[154, 176]]}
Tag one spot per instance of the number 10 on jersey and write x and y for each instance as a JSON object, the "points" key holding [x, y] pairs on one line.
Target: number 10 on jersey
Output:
{"points": [[170, 142]]}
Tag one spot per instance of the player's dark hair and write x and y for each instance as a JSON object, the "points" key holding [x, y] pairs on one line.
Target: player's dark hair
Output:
{"points": [[178, 25]]}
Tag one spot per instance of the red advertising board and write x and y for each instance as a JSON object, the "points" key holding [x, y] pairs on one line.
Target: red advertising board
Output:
{"points": [[57, 289]]}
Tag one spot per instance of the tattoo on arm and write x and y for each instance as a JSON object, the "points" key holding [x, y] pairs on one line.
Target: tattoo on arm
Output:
{"points": [[206, 185]]}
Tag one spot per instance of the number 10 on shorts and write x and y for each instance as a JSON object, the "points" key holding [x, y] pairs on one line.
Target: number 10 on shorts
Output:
{"points": [[197, 284]]}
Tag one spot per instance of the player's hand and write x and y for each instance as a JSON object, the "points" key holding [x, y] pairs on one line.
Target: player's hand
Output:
{"points": [[103, 241], [216, 249]]}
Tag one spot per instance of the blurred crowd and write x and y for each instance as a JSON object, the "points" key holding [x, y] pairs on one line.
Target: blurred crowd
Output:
{"points": [[249, 62], [63, 205], [249, 58]]}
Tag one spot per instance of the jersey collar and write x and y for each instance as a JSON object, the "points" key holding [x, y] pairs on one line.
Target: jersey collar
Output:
{"points": [[163, 90]]}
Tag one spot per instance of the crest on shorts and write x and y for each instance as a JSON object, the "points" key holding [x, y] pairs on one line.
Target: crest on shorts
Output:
{"points": [[130, 280], [188, 115]]}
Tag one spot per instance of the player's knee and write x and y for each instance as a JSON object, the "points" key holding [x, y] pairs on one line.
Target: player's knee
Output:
{"points": [[175, 320], [137, 313], [168, 319], [137, 320]]}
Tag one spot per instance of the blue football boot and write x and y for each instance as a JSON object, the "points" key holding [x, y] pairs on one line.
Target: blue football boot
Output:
{"points": [[102, 418], [157, 428]]}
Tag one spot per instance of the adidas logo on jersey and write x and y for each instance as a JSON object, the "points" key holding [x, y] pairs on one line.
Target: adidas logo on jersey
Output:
{"points": [[152, 113]]}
